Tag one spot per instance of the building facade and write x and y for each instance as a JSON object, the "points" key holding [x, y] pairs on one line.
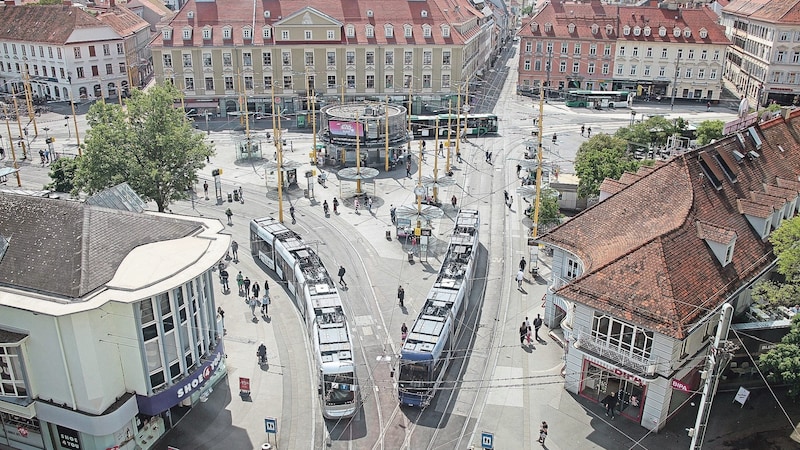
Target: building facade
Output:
{"points": [[646, 50], [83, 56], [639, 279], [219, 53], [111, 341], [763, 62]]}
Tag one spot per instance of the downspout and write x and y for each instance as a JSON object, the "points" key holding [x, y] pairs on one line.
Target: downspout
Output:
{"points": [[66, 367]]}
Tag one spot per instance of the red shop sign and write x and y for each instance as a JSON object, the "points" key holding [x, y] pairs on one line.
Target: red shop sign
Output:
{"points": [[244, 384], [676, 384]]}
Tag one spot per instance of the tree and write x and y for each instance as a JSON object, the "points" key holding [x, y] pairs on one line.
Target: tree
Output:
{"points": [[653, 131], [781, 364], [785, 290], [549, 212], [603, 156], [708, 130], [150, 145], [62, 172]]}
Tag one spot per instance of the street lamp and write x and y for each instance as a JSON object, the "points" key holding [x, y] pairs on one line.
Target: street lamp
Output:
{"points": [[633, 116]]}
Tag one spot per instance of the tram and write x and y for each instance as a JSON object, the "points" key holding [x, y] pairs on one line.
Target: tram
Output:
{"points": [[427, 351], [472, 125], [318, 301]]}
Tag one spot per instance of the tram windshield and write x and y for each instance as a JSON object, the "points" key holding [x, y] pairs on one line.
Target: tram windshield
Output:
{"points": [[414, 377], [339, 388]]}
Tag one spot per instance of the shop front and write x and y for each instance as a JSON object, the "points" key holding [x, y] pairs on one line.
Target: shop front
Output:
{"points": [[600, 378]]}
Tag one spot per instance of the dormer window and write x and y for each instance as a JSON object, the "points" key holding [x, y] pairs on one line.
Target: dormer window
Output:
{"points": [[423, 13], [445, 31], [637, 30], [720, 240], [595, 28], [729, 253], [571, 28], [676, 32], [266, 32], [369, 31], [388, 30], [226, 32], [350, 30], [407, 31], [687, 32], [534, 26], [187, 34], [207, 33], [247, 33], [647, 31], [703, 33], [662, 31], [370, 13], [609, 29], [166, 34], [426, 31], [548, 27], [626, 30]]}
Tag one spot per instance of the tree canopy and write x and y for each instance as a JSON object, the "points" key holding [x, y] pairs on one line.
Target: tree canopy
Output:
{"points": [[782, 363], [549, 212], [653, 131], [603, 156], [708, 130], [149, 144], [62, 172]]}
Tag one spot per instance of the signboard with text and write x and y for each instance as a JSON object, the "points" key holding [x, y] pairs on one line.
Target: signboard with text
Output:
{"points": [[244, 385], [339, 128], [68, 438]]}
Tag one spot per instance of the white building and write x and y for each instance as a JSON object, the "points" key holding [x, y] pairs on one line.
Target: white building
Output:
{"points": [[82, 55], [639, 279], [108, 325]]}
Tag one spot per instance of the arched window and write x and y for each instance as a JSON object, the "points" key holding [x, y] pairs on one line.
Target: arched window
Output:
{"points": [[637, 30], [626, 30], [595, 28], [662, 31]]}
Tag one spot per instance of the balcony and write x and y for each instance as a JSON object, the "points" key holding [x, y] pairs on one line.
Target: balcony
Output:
{"points": [[595, 345]]}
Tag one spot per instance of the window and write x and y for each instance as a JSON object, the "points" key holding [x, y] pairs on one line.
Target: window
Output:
{"points": [[187, 60], [622, 337], [593, 49], [287, 81], [389, 58], [388, 31], [647, 71], [426, 31], [76, 50], [408, 57], [370, 31], [549, 47], [427, 57], [649, 52], [228, 83], [562, 66], [209, 83], [572, 269], [247, 33], [446, 57], [701, 73], [445, 31], [779, 56], [166, 34], [58, 51], [605, 68], [635, 51], [776, 77], [526, 66], [248, 83], [285, 35], [267, 57], [633, 69], [350, 56], [590, 68], [331, 35], [662, 71], [704, 55], [688, 73], [369, 58], [121, 68], [576, 67], [445, 81], [189, 83], [247, 59], [350, 31], [79, 72], [49, 51], [331, 81], [680, 53], [331, 58], [564, 48], [407, 81], [716, 55], [92, 52], [619, 69], [351, 82], [607, 50], [106, 50], [796, 57], [537, 65], [370, 81], [713, 74], [407, 30], [207, 60], [287, 58], [12, 372], [426, 81], [266, 33], [691, 53], [663, 53], [576, 50], [167, 60], [227, 61], [109, 69], [267, 82], [206, 33], [784, 36], [309, 58], [538, 46], [187, 33], [389, 82]]}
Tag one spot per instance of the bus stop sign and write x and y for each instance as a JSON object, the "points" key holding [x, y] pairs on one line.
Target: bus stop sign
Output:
{"points": [[271, 425], [487, 440]]}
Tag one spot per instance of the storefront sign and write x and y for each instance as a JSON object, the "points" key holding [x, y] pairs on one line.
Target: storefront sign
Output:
{"points": [[244, 385], [183, 389], [68, 438], [623, 374], [680, 386], [339, 128]]}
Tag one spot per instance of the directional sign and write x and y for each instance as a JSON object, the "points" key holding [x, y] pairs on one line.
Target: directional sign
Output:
{"points": [[487, 440], [271, 424]]}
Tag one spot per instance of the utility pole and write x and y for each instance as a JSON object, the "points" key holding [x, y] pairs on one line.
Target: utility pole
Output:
{"points": [[717, 360], [549, 66], [675, 81], [538, 200]]}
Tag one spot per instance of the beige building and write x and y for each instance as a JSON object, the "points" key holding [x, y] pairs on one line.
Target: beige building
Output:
{"points": [[217, 51]]}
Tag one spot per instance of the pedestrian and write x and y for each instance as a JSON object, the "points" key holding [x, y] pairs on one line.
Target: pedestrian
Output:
{"points": [[246, 284], [235, 250], [240, 281], [369, 204], [583, 128], [441, 149], [253, 302], [708, 106], [490, 158], [291, 213], [221, 314], [537, 323], [41, 155], [325, 207], [520, 277], [523, 331], [356, 204], [220, 268], [528, 332], [341, 276], [519, 169], [241, 194], [2, 153], [335, 206], [229, 213], [266, 288], [486, 156], [408, 168], [590, 132], [265, 303], [458, 155], [401, 295], [505, 194], [454, 201], [403, 332], [555, 137], [610, 401], [522, 264], [224, 277], [205, 189], [256, 289], [393, 213], [543, 432], [510, 201]]}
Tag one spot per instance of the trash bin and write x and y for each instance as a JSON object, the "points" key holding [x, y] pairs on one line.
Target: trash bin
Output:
{"points": [[411, 256], [230, 198]]}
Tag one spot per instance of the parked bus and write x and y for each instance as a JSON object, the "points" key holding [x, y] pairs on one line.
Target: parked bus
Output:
{"points": [[599, 99], [471, 125]]}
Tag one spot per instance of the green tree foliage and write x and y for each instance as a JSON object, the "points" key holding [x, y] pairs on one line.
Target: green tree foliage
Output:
{"points": [[549, 212], [782, 363], [603, 156], [785, 292], [62, 172], [149, 144], [653, 131], [708, 130]]}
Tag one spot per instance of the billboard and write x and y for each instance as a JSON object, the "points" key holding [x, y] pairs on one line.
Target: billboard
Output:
{"points": [[339, 128]]}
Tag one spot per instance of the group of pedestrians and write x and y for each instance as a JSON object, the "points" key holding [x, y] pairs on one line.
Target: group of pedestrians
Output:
{"points": [[525, 330], [251, 291]]}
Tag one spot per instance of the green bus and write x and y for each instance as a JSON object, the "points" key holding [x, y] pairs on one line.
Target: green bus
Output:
{"points": [[599, 99], [471, 125]]}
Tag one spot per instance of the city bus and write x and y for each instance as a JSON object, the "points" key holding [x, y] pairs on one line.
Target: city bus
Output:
{"points": [[598, 99], [471, 125]]}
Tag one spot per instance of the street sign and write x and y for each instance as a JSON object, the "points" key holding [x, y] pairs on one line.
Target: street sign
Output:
{"points": [[425, 232], [271, 424], [487, 440], [244, 386]]}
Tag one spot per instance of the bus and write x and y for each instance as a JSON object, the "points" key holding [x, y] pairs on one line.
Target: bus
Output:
{"points": [[599, 99], [471, 125]]}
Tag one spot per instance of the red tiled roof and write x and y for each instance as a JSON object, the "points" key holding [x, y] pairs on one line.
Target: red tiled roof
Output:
{"points": [[772, 11], [694, 18], [644, 259], [122, 20], [754, 209], [51, 24], [583, 15], [782, 192], [707, 231], [397, 13], [610, 186]]}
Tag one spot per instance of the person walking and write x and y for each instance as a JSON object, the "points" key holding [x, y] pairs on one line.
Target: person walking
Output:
{"points": [[266, 288], [241, 195], [205, 189], [486, 156], [220, 268], [401, 295], [335, 206], [221, 314], [528, 330], [454, 201], [403, 332], [408, 168], [583, 128], [246, 283], [223, 275], [291, 213], [610, 401], [543, 432], [240, 281], [441, 149], [253, 302], [265, 303], [708, 106], [555, 137], [235, 251], [522, 264], [256, 289], [356, 204], [325, 207], [519, 169], [490, 158], [520, 277], [505, 195], [341, 276], [537, 323], [369, 204], [589, 130], [458, 155], [229, 213], [523, 331], [393, 213]]}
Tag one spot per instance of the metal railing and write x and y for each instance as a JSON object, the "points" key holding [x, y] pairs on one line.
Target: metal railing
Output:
{"points": [[602, 348]]}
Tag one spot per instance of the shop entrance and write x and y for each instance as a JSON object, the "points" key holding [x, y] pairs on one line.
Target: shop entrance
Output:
{"points": [[599, 382]]}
